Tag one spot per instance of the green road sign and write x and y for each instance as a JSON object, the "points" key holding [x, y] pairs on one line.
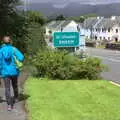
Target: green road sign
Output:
{"points": [[66, 39]]}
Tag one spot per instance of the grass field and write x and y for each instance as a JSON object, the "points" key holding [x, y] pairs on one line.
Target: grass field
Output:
{"points": [[72, 100]]}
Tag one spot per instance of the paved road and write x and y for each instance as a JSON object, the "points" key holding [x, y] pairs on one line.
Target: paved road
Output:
{"points": [[112, 59], [18, 113]]}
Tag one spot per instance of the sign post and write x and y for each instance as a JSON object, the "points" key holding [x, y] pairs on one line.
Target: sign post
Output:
{"points": [[66, 39]]}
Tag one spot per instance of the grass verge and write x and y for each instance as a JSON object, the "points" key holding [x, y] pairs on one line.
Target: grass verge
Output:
{"points": [[72, 100]]}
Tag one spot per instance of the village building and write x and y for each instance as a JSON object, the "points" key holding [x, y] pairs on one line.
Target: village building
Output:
{"points": [[100, 28], [59, 26], [108, 29]]}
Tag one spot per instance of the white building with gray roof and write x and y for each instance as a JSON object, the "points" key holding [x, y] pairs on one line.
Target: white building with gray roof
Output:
{"points": [[60, 26], [108, 29], [89, 25]]}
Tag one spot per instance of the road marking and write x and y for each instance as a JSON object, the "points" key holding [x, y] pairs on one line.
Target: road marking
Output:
{"points": [[115, 83], [110, 59]]}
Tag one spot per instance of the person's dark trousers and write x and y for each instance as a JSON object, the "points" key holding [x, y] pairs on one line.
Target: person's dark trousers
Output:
{"points": [[8, 81]]}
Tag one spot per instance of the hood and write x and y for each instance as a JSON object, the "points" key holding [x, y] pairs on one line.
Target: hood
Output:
{"points": [[7, 54]]}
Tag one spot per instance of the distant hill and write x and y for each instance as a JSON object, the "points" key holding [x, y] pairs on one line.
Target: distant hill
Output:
{"points": [[76, 9]]}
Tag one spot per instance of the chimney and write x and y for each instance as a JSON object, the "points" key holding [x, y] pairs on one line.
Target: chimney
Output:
{"points": [[113, 17], [98, 17]]}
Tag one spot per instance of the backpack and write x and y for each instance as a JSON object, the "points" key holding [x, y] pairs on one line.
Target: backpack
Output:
{"points": [[18, 63]]}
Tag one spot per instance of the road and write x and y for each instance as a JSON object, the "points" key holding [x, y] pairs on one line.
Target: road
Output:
{"points": [[110, 58]]}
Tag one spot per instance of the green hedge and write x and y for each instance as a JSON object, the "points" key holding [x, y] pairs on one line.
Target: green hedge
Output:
{"points": [[60, 65], [113, 46], [90, 44]]}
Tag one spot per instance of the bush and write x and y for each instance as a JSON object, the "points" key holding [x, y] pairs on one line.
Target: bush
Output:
{"points": [[90, 44], [113, 46], [60, 65]]}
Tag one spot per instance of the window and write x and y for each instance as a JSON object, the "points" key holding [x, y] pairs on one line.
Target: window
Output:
{"points": [[50, 32], [100, 38], [116, 30], [116, 39], [104, 38], [108, 38], [96, 30], [108, 29], [103, 30], [95, 37]]}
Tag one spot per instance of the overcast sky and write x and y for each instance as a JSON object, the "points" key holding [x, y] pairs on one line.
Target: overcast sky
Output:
{"points": [[80, 1]]}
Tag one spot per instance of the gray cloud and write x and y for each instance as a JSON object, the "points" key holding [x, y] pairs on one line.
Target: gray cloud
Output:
{"points": [[80, 1]]}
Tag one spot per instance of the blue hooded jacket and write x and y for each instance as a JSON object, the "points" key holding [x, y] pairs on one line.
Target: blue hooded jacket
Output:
{"points": [[7, 62]]}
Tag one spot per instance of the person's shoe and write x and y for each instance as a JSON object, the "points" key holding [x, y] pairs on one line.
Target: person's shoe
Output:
{"points": [[9, 108], [13, 107]]}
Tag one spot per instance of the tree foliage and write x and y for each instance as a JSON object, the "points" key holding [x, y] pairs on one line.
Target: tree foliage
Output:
{"points": [[60, 17], [90, 15], [11, 19], [35, 38], [19, 25], [12, 22], [36, 17], [79, 19]]}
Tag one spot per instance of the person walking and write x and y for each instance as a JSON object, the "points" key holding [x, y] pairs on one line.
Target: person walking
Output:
{"points": [[9, 70]]}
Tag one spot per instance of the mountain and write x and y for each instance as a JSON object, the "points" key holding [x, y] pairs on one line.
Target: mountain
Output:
{"points": [[76, 9]]}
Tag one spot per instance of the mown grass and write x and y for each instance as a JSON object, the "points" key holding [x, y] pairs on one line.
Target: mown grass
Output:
{"points": [[72, 100]]}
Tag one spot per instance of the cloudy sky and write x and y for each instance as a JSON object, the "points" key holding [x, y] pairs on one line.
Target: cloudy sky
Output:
{"points": [[80, 1], [64, 3]]}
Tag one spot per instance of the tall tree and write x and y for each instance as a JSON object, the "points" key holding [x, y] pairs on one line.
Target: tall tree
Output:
{"points": [[60, 17], [79, 19], [17, 24], [35, 38], [12, 22], [36, 17], [90, 15], [8, 15], [35, 31]]}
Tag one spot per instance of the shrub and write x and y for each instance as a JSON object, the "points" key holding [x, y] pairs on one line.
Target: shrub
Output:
{"points": [[60, 65], [113, 46], [90, 44]]}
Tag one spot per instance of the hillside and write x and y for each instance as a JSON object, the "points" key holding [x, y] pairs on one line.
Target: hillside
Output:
{"points": [[76, 9]]}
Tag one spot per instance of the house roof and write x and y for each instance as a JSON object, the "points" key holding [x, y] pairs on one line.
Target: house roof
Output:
{"points": [[65, 23], [58, 24], [90, 22], [53, 24], [50, 24], [108, 23]]}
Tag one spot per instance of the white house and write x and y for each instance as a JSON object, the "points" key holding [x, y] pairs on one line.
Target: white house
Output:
{"points": [[57, 26], [89, 25], [63, 26], [108, 29], [60, 26], [69, 26]]}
